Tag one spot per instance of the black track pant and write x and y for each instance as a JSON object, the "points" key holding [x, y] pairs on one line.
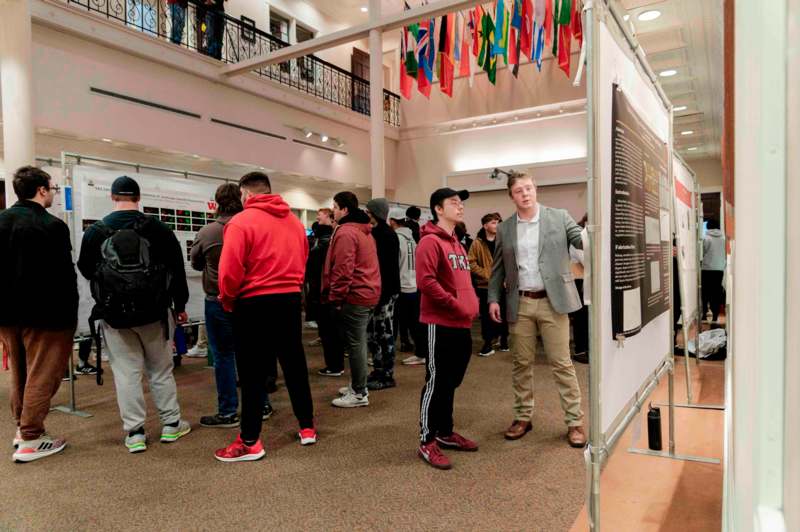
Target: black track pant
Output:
{"points": [[266, 327], [449, 351]]}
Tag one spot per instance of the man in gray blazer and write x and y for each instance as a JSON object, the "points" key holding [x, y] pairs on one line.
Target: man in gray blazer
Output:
{"points": [[532, 264]]}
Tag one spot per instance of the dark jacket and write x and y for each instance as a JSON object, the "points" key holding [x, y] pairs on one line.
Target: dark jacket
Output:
{"points": [[164, 246], [37, 270], [414, 226], [388, 246], [205, 253], [351, 273], [314, 265]]}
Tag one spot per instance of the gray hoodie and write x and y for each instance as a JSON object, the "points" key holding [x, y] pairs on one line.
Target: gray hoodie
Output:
{"points": [[408, 264], [714, 250]]}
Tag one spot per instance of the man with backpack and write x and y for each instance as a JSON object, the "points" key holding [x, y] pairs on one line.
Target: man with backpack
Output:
{"points": [[135, 265]]}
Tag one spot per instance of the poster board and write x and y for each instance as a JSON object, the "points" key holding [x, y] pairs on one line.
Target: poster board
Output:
{"points": [[185, 205], [686, 236], [627, 365]]}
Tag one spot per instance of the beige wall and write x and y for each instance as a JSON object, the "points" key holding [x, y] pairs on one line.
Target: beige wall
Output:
{"points": [[708, 170]]}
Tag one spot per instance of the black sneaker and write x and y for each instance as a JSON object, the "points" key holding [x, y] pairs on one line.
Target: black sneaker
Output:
{"points": [[486, 350], [176, 361], [381, 384], [267, 412], [86, 369], [327, 372], [220, 422], [504, 347]]}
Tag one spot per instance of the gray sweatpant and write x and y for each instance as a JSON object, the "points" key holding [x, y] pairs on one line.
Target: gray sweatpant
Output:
{"points": [[138, 350]]}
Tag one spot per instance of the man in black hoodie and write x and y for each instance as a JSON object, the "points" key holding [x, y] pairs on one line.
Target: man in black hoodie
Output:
{"points": [[381, 338], [40, 311], [332, 348]]}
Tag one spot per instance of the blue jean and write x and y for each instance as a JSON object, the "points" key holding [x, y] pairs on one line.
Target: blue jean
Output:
{"points": [[219, 329], [215, 26], [178, 15]]}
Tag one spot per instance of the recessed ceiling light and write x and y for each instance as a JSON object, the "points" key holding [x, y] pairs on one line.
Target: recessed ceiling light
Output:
{"points": [[307, 133], [693, 148], [516, 118], [687, 132], [324, 138], [668, 73], [364, 9], [647, 16], [679, 108], [106, 140], [626, 17]]}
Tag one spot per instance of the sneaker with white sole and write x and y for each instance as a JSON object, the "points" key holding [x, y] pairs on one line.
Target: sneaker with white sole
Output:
{"points": [[136, 443], [238, 451], [351, 400], [413, 360], [44, 446], [171, 434], [17, 439], [307, 436], [344, 390], [197, 352], [326, 372], [486, 350]]}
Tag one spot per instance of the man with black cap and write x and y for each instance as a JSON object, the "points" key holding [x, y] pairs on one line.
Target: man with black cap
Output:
{"points": [[448, 307], [380, 331], [136, 267]]}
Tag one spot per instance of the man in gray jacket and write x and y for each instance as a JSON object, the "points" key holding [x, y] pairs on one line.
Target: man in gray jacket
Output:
{"points": [[531, 260], [713, 269]]}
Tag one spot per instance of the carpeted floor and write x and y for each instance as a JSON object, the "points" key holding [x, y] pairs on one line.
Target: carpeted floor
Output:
{"points": [[362, 475]]}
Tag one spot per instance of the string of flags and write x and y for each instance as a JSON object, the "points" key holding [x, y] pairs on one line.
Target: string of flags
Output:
{"points": [[473, 40]]}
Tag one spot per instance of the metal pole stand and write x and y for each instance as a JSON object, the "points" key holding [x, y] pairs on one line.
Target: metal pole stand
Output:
{"points": [[71, 409]]}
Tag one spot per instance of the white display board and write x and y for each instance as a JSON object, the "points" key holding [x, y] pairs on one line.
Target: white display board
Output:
{"points": [[686, 236], [185, 205], [627, 366]]}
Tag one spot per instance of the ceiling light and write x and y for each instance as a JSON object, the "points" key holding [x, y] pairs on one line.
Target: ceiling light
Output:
{"points": [[324, 138], [307, 133], [106, 140], [364, 9], [693, 148], [516, 118], [647, 16], [668, 73], [626, 17], [679, 108], [687, 132], [340, 143]]}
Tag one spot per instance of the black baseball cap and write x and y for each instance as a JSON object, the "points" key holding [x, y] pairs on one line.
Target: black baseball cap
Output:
{"points": [[125, 186], [442, 194]]}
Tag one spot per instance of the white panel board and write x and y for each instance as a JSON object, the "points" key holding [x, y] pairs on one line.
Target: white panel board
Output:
{"points": [[686, 236], [626, 368], [92, 201]]}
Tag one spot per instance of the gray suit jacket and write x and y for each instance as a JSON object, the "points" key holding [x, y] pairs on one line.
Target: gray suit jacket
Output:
{"points": [[557, 230]]}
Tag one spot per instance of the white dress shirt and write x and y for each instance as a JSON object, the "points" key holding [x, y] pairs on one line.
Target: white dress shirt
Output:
{"points": [[530, 277]]}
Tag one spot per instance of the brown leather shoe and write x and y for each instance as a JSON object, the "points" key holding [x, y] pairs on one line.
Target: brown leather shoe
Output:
{"points": [[518, 429], [576, 437]]}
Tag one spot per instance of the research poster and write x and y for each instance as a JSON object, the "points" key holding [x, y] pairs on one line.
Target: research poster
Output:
{"points": [[686, 237], [640, 221]]}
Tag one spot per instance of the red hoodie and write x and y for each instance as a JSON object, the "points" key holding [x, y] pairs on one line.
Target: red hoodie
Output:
{"points": [[351, 273], [444, 280], [264, 252]]}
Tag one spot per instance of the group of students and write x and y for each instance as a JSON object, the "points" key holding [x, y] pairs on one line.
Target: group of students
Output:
{"points": [[257, 263]]}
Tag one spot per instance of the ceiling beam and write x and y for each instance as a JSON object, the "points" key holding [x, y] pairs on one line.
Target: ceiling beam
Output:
{"points": [[355, 33]]}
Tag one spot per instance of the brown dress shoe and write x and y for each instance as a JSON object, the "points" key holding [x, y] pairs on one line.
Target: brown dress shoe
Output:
{"points": [[518, 429], [576, 437]]}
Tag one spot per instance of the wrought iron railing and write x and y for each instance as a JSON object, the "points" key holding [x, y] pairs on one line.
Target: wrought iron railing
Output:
{"points": [[200, 27]]}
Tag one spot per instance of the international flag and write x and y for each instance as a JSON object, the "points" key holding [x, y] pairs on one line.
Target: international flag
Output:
{"points": [[423, 49], [540, 14], [514, 43], [486, 58], [446, 66], [500, 46], [405, 77], [526, 31]]}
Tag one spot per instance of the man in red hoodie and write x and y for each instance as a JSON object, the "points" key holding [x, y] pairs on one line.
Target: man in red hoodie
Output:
{"points": [[260, 278], [351, 285], [448, 306]]}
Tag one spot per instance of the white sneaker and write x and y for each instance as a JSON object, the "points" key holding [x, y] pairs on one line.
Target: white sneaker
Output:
{"points": [[17, 439], [351, 400], [171, 434], [197, 352], [136, 443], [312, 325], [413, 360], [344, 390], [31, 450]]}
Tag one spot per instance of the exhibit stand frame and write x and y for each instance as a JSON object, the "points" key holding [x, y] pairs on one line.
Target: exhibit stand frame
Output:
{"points": [[68, 162], [606, 17]]}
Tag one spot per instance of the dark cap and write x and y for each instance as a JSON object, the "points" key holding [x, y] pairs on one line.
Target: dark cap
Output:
{"points": [[125, 186], [442, 194], [413, 212]]}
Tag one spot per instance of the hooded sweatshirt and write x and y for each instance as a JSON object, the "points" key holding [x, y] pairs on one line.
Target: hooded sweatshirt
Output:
{"points": [[265, 251], [714, 250], [351, 273], [444, 280], [408, 267]]}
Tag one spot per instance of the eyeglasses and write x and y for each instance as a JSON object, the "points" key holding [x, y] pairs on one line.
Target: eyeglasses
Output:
{"points": [[55, 188]]}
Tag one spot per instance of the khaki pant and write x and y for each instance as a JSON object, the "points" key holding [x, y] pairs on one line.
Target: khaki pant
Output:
{"points": [[537, 315], [39, 358]]}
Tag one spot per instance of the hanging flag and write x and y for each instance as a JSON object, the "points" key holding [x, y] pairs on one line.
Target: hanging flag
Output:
{"points": [[577, 24], [526, 30], [514, 43], [487, 59], [446, 66], [540, 15], [564, 35], [548, 21], [457, 36], [405, 79], [500, 46], [424, 72], [475, 18], [465, 54]]}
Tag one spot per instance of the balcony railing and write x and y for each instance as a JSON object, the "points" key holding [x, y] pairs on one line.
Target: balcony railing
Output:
{"points": [[199, 27]]}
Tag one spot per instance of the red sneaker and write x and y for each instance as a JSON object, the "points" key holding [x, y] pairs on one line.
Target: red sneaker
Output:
{"points": [[239, 452], [431, 453], [457, 442], [307, 436]]}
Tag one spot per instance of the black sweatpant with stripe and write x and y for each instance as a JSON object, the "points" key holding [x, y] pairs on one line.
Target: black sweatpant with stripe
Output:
{"points": [[449, 351]]}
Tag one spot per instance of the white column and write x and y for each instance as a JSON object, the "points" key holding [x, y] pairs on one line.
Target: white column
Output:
{"points": [[17, 88], [376, 138]]}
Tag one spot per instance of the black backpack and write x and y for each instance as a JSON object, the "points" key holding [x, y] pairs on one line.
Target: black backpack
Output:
{"points": [[128, 287]]}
